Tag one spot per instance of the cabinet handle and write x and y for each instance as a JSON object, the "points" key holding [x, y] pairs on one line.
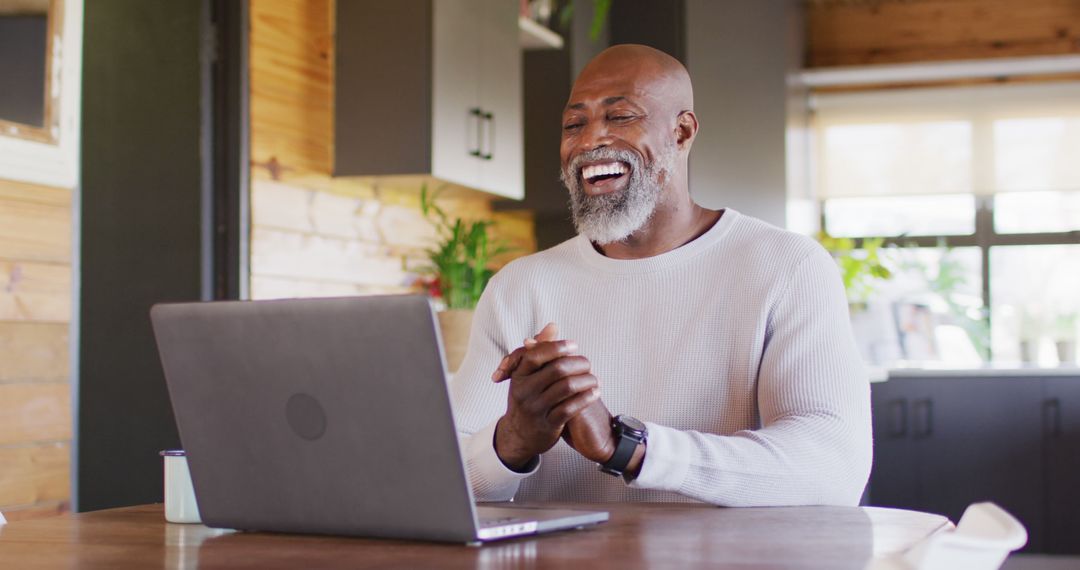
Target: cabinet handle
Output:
{"points": [[897, 419], [476, 116], [489, 118], [1052, 417], [923, 410]]}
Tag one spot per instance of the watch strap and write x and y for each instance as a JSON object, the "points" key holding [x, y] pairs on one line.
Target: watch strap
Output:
{"points": [[624, 451]]}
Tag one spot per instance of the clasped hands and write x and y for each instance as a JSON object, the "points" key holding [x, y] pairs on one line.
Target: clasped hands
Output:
{"points": [[553, 394]]}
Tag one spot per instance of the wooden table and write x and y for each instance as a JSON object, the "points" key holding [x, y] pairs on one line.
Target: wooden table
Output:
{"points": [[637, 536]]}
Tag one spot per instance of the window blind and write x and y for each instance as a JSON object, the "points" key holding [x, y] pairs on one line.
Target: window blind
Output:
{"points": [[954, 140]]}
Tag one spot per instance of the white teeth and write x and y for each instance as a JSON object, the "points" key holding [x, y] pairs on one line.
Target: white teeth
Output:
{"points": [[607, 169]]}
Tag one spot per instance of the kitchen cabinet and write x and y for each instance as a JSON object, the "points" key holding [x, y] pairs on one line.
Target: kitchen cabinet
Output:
{"points": [[942, 444], [981, 440], [894, 481], [1061, 415], [430, 90]]}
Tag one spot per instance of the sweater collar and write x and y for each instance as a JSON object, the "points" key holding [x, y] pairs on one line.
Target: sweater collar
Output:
{"points": [[665, 260]]}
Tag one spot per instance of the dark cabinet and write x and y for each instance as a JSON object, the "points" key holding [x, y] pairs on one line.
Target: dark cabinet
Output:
{"points": [[1061, 426], [894, 481], [941, 444], [430, 90], [981, 439]]}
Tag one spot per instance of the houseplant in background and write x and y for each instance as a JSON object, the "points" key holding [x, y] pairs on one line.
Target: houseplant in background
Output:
{"points": [[457, 272], [860, 268], [947, 281]]}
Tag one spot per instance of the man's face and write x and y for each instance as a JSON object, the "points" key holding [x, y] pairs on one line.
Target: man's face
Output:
{"points": [[618, 148]]}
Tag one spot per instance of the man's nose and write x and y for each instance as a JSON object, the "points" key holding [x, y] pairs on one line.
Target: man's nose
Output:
{"points": [[595, 135]]}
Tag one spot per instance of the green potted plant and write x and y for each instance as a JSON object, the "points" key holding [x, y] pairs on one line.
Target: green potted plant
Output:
{"points": [[948, 281], [458, 271], [859, 269]]}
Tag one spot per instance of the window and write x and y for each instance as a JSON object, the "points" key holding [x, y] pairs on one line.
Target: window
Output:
{"points": [[1037, 212], [977, 192]]}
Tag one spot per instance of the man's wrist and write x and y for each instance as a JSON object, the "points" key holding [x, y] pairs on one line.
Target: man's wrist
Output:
{"points": [[528, 466], [517, 462]]}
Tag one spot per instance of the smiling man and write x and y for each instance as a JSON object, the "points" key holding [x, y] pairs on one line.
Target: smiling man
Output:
{"points": [[722, 343]]}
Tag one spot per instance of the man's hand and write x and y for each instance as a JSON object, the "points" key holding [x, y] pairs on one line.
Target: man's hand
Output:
{"points": [[588, 432], [549, 386]]}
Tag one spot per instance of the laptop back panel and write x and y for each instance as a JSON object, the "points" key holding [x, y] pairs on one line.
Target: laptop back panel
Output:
{"points": [[291, 413]]}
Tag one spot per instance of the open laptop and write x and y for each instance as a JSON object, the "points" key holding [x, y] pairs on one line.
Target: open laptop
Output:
{"points": [[327, 416]]}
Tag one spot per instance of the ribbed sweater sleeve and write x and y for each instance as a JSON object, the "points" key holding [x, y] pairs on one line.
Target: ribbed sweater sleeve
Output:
{"points": [[814, 446]]}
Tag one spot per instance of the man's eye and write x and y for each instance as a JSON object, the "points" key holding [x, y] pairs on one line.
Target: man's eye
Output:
{"points": [[572, 126], [621, 118]]}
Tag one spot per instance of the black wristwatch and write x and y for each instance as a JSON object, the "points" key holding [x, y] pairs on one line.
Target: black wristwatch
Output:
{"points": [[629, 432]]}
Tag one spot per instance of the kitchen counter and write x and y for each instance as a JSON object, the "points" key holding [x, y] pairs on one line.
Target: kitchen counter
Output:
{"points": [[988, 370]]}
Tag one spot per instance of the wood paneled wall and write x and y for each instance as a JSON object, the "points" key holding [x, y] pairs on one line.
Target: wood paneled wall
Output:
{"points": [[291, 86], [35, 313], [863, 32], [314, 235]]}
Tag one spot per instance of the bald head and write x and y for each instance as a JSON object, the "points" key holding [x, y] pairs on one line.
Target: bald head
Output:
{"points": [[647, 70], [631, 95]]}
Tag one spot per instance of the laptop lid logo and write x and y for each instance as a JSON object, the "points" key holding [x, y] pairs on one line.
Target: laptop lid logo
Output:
{"points": [[306, 416]]}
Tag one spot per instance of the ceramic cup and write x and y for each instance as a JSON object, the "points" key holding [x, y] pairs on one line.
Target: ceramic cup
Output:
{"points": [[180, 505]]}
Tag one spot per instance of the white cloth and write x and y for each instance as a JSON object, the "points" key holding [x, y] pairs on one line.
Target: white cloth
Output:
{"points": [[735, 349]]}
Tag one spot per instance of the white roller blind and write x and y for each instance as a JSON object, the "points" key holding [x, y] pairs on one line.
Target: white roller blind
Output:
{"points": [[1037, 153], [959, 140]]}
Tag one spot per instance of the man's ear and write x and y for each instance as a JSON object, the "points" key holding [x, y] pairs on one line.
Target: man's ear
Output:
{"points": [[686, 128]]}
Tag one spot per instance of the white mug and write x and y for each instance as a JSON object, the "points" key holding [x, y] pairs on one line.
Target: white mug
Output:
{"points": [[180, 505]]}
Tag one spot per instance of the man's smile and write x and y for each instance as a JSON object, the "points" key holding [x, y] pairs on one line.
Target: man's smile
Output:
{"points": [[604, 177]]}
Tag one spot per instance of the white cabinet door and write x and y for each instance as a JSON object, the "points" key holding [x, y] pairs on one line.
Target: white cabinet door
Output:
{"points": [[456, 71], [503, 166]]}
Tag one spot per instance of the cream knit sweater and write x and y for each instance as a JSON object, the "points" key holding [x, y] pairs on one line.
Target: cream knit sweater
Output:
{"points": [[735, 349]]}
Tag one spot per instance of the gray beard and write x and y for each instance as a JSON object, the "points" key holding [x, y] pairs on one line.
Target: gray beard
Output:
{"points": [[608, 218]]}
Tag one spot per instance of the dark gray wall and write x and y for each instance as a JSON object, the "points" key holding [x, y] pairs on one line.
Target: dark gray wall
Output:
{"points": [[23, 43], [739, 53], [656, 23], [546, 76], [581, 46], [140, 235]]}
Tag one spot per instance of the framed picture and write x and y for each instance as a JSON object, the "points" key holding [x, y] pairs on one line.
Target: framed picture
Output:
{"points": [[915, 331]]}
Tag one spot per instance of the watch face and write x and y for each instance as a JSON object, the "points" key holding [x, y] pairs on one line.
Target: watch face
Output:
{"points": [[631, 423]]}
